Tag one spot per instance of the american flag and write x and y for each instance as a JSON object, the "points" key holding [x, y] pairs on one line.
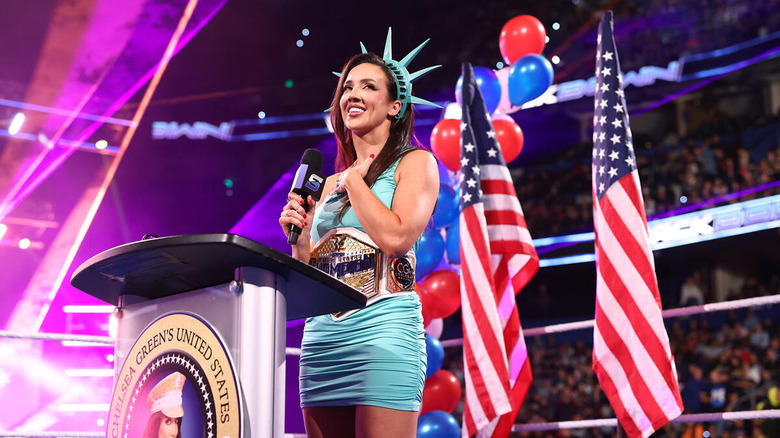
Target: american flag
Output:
{"points": [[497, 260], [631, 354]]}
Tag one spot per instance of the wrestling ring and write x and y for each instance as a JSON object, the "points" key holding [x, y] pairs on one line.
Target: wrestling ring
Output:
{"points": [[527, 427]]}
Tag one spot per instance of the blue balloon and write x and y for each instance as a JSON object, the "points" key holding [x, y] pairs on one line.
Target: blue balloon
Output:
{"points": [[437, 424], [529, 77], [435, 355], [488, 85], [447, 207], [429, 252], [453, 242]]}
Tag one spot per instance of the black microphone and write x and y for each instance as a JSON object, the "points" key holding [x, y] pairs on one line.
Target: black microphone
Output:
{"points": [[308, 182]]}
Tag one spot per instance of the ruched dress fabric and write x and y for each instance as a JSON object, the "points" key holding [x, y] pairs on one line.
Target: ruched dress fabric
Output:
{"points": [[374, 357]]}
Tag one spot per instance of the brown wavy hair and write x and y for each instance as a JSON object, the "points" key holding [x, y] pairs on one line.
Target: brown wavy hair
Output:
{"points": [[153, 425], [400, 141]]}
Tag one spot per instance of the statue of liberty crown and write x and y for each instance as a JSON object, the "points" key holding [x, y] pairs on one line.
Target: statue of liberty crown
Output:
{"points": [[403, 78]]}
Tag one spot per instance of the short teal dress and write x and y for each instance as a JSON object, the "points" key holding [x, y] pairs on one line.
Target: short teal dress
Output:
{"points": [[373, 357]]}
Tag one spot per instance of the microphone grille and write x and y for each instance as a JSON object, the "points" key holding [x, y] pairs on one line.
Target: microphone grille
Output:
{"points": [[313, 158]]}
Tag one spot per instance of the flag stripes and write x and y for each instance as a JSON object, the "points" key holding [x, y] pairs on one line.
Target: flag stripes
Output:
{"points": [[497, 259], [631, 353]]}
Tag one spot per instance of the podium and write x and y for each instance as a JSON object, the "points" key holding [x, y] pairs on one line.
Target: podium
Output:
{"points": [[213, 308]]}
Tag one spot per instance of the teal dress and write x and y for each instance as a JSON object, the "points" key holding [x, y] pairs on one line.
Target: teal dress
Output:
{"points": [[375, 356]]}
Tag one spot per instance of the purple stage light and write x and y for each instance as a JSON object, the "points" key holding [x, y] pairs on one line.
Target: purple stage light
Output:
{"points": [[715, 75], [62, 112], [106, 89], [53, 163]]}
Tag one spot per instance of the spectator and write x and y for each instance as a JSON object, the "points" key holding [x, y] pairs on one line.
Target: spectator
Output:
{"points": [[759, 338], [751, 320], [691, 292], [694, 390]]}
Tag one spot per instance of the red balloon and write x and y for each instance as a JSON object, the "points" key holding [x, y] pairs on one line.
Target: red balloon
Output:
{"points": [[444, 290], [520, 36], [445, 143], [510, 138], [425, 301], [441, 392]]}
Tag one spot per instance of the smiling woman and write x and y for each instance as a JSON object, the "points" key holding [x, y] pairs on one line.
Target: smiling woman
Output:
{"points": [[362, 372]]}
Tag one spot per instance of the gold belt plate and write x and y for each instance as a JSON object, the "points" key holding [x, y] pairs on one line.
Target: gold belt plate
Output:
{"points": [[349, 259]]}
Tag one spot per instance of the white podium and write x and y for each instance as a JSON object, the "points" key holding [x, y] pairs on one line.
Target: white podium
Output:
{"points": [[212, 307]]}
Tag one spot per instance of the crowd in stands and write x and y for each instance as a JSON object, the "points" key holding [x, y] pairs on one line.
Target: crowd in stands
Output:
{"points": [[556, 197], [657, 32], [646, 32], [725, 362]]}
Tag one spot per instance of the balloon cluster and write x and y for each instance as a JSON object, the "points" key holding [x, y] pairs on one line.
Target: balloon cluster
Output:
{"points": [[440, 297], [527, 77], [521, 42], [439, 294], [445, 140]]}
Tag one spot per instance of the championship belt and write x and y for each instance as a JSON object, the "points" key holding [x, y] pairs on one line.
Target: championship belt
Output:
{"points": [[349, 255]]}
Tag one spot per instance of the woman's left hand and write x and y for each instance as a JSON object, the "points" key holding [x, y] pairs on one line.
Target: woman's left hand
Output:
{"points": [[395, 229], [356, 171]]}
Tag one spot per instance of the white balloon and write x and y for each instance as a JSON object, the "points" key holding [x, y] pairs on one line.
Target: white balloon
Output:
{"points": [[453, 111], [504, 105], [435, 327]]}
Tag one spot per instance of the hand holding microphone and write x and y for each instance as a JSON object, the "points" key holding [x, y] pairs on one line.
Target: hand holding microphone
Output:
{"points": [[308, 182]]}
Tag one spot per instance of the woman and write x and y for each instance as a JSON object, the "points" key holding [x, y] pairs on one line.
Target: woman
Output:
{"points": [[362, 375], [160, 425], [165, 405]]}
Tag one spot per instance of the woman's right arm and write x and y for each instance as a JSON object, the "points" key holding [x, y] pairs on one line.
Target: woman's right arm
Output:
{"points": [[303, 219]]}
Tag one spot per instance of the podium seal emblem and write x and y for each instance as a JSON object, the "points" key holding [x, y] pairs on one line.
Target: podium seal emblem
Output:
{"points": [[178, 374]]}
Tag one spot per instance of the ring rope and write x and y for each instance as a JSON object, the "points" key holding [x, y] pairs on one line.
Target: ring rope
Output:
{"points": [[291, 351], [53, 434], [671, 313], [58, 337], [686, 418], [84, 435], [555, 328]]}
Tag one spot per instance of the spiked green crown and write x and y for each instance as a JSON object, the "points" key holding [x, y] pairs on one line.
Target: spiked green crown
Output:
{"points": [[403, 78]]}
